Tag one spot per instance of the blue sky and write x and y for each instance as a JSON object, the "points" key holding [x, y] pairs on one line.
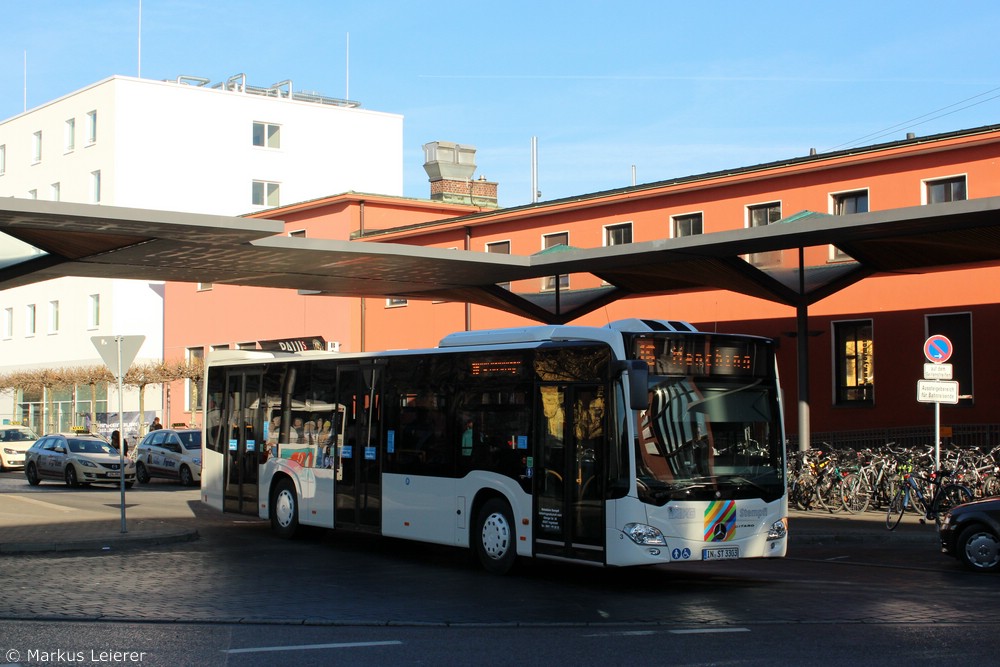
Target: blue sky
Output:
{"points": [[672, 88]]}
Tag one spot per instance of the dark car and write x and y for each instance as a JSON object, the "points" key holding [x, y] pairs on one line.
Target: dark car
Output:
{"points": [[971, 533], [171, 453]]}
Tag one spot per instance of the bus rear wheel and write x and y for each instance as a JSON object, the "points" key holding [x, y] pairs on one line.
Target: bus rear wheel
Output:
{"points": [[495, 540], [284, 510]]}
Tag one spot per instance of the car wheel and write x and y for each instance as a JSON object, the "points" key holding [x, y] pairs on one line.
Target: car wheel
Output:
{"points": [[71, 479], [186, 478], [128, 485], [31, 472], [495, 541], [979, 549], [284, 510], [141, 474]]}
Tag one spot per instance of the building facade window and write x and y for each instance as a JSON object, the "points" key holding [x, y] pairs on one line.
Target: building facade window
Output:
{"points": [[854, 360], [36, 147], [957, 327], [95, 187], [29, 320], [945, 190], [3, 159], [69, 135], [395, 303], [761, 215], [267, 135], [55, 192], [551, 241], [94, 311], [847, 203], [192, 393], [203, 287], [690, 224], [265, 194], [53, 317], [502, 248], [92, 127], [618, 234], [8, 322], [32, 194]]}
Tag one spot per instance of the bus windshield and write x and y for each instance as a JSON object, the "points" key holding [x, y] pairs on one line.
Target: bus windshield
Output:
{"points": [[706, 439]]}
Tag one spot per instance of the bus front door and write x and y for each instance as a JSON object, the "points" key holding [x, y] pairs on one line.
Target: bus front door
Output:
{"points": [[244, 429], [358, 491], [569, 505]]}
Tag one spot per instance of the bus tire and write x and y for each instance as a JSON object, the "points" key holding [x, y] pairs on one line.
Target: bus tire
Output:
{"points": [[284, 509], [495, 538]]}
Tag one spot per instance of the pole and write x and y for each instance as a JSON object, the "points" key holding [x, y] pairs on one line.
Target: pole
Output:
{"points": [[937, 435], [121, 432]]}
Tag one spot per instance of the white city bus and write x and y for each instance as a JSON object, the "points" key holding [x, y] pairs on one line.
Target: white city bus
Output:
{"points": [[639, 443]]}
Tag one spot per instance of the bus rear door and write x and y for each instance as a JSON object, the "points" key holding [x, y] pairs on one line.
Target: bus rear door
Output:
{"points": [[358, 491], [242, 426]]}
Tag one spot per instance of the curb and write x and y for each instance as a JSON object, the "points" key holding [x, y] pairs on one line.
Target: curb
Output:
{"points": [[100, 544]]}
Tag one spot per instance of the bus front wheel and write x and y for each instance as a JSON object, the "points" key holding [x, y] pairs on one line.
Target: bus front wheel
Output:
{"points": [[284, 510], [495, 541]]}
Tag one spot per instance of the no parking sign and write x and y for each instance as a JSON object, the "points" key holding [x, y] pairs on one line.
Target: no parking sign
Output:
{"points": [[937, 349]]}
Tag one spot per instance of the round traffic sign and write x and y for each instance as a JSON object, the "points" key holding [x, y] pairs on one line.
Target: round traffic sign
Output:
{"points": [[937, 349]]}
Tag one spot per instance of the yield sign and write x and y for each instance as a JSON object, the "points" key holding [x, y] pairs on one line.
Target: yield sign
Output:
{"points": [[109, 346]]}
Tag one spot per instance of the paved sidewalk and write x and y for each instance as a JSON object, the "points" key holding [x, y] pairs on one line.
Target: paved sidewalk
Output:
{"points": [[33, 522]]}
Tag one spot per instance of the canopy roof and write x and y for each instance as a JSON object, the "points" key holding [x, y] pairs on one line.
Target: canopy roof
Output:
{"points": [[42, 240]]}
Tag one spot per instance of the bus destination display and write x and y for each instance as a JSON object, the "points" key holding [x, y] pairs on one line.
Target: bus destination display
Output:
{"points": [[702, 355]]}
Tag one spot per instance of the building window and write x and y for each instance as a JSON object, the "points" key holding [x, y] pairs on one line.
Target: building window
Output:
{"points": [[760, 216], [92, 127], [55, 192], [94, 311], [502, 248], [204, 287], [957, 327], [32, 194], [854, 358], [246, 346], [3, 159], [551, 241], [267, 135], [686, 225], [195, 355], [36, 147], [618, 234], [394, 302], [8, 322], [29, 320], [846, 203], [69, 135], [298, 234], [95, 187], [265, 194], [945, 190], [53, 317]]}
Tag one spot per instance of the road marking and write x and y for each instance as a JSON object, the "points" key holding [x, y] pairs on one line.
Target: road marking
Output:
{"points": [[707, 631], [309, 647], [61, 508]]}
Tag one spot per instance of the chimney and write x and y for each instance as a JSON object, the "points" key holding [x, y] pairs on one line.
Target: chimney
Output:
{"points": [[449, 167]]}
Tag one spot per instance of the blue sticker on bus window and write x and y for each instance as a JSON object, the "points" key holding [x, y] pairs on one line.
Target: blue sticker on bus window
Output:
{"points": [[347, 451], [369, 453], [251, 445], [233, 445], [522, 442], [390, 441]]}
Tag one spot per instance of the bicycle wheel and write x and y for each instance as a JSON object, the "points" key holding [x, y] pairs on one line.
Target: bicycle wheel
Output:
{"points": [[950, 495], [896, 508], [857, 494]]}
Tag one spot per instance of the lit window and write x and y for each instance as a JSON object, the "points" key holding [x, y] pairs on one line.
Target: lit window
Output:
{"points": [[94, 311], [945, 190], [264, 194], [95, 187], [36, 147], [618, 234], [267, 135], [92, 127], [854, 357], [551, 241], [686, 225], [69, 135], [761, 216]]}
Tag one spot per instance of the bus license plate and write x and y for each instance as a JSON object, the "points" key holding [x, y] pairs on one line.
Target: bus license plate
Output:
{"points": [[720, 553]]}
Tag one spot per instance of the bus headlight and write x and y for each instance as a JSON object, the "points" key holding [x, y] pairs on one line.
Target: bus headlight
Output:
{"points": [[779, 529], [641, 533]]}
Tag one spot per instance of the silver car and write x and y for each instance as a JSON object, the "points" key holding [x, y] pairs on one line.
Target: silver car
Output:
{"points": [[76, 458], [14, 442]]}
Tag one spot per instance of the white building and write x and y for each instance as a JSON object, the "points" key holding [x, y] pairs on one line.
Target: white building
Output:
{"points": [[183, 145]]}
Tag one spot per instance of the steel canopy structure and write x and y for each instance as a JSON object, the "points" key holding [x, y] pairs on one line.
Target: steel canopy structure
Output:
{"points": [[41, 240]]}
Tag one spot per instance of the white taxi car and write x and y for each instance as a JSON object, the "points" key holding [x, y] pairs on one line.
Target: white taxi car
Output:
{"points": [[170, 453], [77, 459], [14, 442]]}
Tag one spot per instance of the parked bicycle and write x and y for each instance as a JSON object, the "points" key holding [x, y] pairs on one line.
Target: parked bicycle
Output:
{"points": [[933, 506]]}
